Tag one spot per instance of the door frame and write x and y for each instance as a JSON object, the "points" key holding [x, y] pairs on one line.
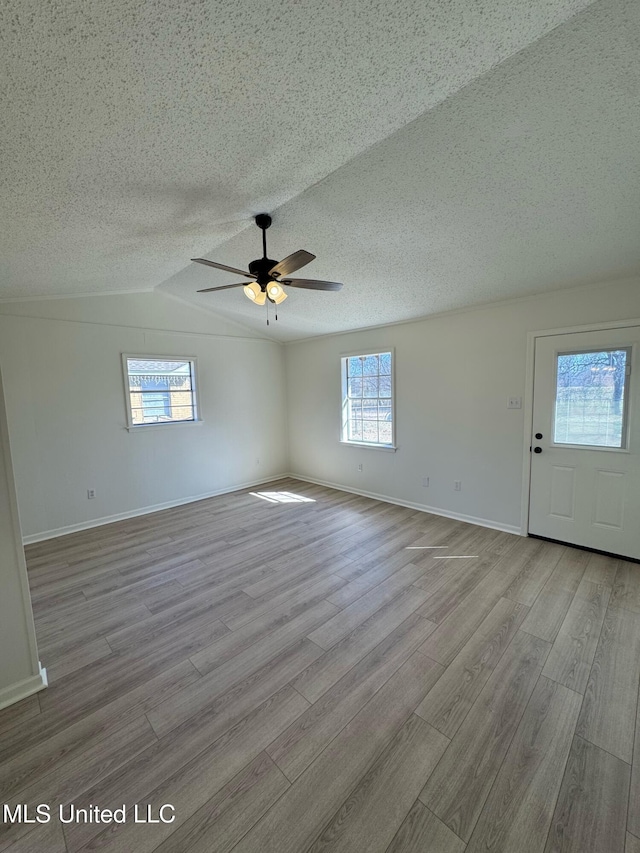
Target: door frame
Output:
{"points": [[532, 336]]}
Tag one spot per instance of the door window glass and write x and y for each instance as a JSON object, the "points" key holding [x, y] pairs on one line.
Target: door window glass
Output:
{"points": [[591, 398]]}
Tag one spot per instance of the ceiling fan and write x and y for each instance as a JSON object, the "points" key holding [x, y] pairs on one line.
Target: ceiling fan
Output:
{"points": [[268, 275]]}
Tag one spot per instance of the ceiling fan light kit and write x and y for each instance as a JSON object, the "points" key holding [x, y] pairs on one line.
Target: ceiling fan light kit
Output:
{"points": [[254, 292], [267, 274], [276, 293]]}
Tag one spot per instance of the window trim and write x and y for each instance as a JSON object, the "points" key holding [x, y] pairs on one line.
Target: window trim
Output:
{"points": [[192, 359], [369, 445]]}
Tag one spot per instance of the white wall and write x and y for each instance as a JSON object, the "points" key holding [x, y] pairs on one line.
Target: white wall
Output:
{"points": [[19, 669], [454, 373], [61, 360]]}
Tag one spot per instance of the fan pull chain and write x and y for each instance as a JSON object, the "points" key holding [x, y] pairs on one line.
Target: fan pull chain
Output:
{"points": [[267, 304]]}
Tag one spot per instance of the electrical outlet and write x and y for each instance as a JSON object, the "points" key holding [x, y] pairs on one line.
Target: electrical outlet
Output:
{"points": [[360, 467], [425, 482], [91, 493], [514, 403], [457, 485]]}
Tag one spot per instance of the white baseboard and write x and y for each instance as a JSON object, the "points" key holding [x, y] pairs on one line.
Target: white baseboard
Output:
{"points": [[122, 516], [146, 510], [16, 692], [457, 516]]}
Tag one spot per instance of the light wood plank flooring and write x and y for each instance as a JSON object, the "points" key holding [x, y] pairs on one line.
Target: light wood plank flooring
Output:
{"points": [[315, 676]]}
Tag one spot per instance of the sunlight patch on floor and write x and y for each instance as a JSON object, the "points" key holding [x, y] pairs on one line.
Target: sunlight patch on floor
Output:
{"points": [[282, 498], [457, 557]]}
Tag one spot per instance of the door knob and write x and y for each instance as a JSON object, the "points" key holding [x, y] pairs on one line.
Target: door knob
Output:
{"points": [[537, 450]]}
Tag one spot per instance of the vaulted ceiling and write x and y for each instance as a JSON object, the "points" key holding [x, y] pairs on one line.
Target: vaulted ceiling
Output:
{"points": [[431, 154]]}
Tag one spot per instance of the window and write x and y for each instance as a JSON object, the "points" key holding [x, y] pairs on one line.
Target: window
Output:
{"points": [[160, 390], [592, 398], [367, 399]]}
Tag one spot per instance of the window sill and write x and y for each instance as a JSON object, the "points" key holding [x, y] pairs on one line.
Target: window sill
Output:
{"points": [[142, 427], [390, 448]]}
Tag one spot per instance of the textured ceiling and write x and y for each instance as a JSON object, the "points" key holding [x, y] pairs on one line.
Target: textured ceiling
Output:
{"points": [[432, 154]]}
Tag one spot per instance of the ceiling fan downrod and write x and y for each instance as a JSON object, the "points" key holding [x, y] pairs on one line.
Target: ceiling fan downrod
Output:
{"points": [[263, 221], [261, 268]]}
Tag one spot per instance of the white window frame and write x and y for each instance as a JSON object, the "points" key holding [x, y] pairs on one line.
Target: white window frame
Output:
{"points": [[194, 391], [370, 445]]}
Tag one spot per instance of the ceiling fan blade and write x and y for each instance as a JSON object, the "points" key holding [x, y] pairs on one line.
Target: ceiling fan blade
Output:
{"points": [[311, 284], [292, 263], [224, 287], [222, 267]]}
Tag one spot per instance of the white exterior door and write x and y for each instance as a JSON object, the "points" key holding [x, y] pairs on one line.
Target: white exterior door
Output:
{"points": [[585, 443]]}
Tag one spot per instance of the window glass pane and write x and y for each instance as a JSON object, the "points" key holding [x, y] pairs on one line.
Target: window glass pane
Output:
{"points": [[154, 383], [355, 409], [385, 363], [384, 410], [161, 390], [370, 410], [385, 386], [370, 431], [355, 430], [370, 386], [179, 413], [354, 366], [355, 387], [156, 406], [158, 372], [385, 432], [590, 398], [370, 365]]}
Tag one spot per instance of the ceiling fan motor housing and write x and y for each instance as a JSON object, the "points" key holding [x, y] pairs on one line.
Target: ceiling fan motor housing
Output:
{"points": [[260, 268]]}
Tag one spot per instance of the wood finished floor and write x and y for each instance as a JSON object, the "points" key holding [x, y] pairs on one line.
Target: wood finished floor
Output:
{"points": [[318, 676]]}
